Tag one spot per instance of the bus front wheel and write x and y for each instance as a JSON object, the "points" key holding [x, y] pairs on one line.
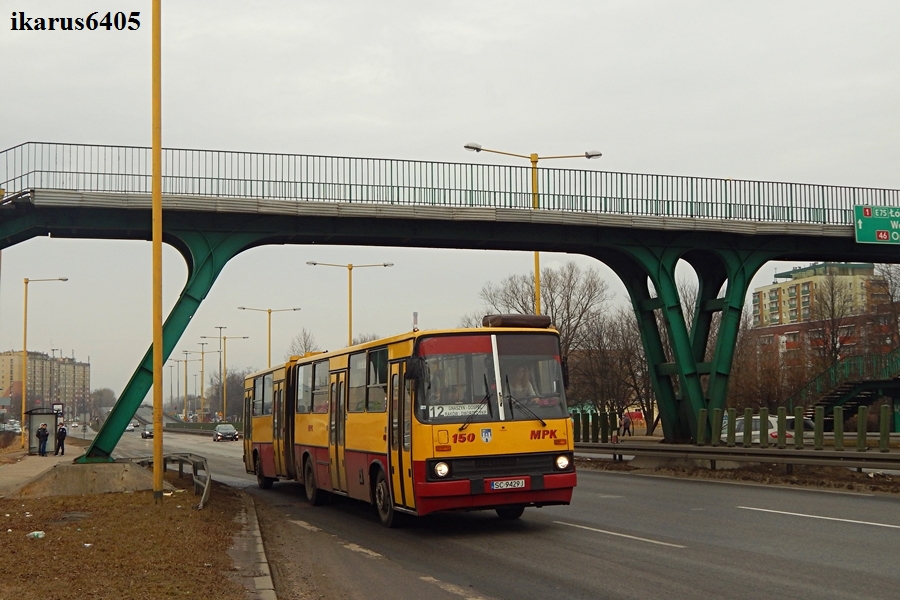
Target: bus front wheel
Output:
{"points": [[383, 503], [510, 512], [313, 493], [261, 480]]}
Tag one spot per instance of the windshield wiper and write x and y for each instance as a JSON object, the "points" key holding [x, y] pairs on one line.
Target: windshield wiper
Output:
{"points": [[512, 400], [487, 396]]}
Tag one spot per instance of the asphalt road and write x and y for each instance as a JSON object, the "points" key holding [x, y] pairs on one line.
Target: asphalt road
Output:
{"points": [[624, 536]]}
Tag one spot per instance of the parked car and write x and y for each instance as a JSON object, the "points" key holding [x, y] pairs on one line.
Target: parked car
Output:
{"points": [[147, 431], [754, 431], [225, 431], [129, 427]]}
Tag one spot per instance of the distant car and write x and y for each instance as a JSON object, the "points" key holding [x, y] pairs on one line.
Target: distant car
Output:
{"points": [[225, 431], [754, 431], [147, 432], [129, 427]]}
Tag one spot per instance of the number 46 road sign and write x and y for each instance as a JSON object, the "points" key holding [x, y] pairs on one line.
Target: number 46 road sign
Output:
{"points": [[877, 224]]}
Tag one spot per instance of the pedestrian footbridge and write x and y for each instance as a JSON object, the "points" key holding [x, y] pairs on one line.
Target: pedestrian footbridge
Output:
{"points": [[218, 204]]}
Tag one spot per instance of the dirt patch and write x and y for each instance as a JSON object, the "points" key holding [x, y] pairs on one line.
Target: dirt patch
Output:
{"points": [[121, 545], [838, 478]]}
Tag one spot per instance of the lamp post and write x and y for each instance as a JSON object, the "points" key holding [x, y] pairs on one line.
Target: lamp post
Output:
{"points": [[269, 311], [54, 381], [25, 352], [349, 268], [534, 158], [224, 340], [202, 359]]}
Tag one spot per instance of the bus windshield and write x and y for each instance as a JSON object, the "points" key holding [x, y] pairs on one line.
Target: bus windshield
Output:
{"points": [[460, 378]]}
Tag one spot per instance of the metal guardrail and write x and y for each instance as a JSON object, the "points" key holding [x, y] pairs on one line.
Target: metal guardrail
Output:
{"points": [[197, 463], [258, 175], [825, 458]]}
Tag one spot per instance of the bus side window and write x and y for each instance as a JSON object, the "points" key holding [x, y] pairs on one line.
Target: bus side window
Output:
{"points": [[258, 396], [356, 401], [268, 393], [304, 388], [377, 386], [320, 387]]}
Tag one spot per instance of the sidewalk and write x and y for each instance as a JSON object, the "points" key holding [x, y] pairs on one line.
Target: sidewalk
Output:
{"points": [[27, 467]]}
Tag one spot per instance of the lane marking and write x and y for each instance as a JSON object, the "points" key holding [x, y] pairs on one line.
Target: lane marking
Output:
{"points": [[630, 537], [607, 496], [793, 514], [361, 550], [453, 589], [772, 486], [305, 525]]}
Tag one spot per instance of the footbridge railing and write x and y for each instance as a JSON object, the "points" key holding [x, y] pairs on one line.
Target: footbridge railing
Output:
{"points": [[296, 177]]}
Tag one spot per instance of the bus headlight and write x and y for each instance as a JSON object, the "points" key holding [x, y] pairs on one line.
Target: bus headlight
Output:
{"points": [[562, 462], [441, 469]]}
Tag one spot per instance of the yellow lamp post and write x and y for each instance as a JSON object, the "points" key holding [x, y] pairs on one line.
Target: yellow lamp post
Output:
{"points": [[25, 354], [202, 359], [269, 311], [224, 374], [534, 158], [349, 268]]}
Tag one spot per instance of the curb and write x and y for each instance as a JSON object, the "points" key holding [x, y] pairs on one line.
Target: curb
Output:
{"points": [[265, 589]]}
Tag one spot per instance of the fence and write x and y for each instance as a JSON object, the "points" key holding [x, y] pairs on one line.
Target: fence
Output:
{"points": [[295, 177], [758, 443]]}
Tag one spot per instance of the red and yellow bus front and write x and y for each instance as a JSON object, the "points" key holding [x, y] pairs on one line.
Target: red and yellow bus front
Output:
{"points": [[491, 428]]}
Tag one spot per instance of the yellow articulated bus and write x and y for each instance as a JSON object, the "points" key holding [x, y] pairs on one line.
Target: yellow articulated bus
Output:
{"points": [[461, 419]]}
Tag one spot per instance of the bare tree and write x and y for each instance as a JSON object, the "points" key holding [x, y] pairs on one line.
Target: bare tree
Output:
{"points": [[570, 295], [832, 304], [472, 319], [365, 337], [302, 343], [886, 292]]}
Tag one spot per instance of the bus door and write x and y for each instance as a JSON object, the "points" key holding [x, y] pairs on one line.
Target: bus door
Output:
{"points": [[336, 437], [278, 427], [248, 429], [400, 443]]}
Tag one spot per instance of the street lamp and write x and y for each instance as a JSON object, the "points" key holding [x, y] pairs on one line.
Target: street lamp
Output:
{"points": [[25, 352], [224, 340], [349, 268], [269, 311], [534, 158], [202, 353]]}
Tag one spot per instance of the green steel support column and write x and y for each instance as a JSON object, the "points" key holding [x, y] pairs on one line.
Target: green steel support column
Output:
{"points": [[634, 276], [679, 412], [206, 255], [713, 269]]}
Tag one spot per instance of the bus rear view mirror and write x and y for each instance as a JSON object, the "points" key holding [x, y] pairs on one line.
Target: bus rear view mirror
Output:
{"points": [[414, 368]]}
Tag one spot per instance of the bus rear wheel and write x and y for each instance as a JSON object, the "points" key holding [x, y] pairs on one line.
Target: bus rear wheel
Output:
{"points": [[386, 513], [510, 512], [315, 496], [261, 480]]}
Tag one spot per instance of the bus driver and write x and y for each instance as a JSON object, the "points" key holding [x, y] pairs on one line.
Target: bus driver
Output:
{"points": [[519, 385]]}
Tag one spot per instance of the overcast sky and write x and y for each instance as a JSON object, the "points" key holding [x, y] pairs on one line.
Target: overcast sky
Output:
{"points": [[785, 91]]}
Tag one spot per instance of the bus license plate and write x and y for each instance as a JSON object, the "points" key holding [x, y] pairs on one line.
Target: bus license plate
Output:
{"points": [[508, 484]]}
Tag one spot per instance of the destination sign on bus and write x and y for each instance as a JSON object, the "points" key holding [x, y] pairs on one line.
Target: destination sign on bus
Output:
{"points": [[877, 224], [456, 410]]}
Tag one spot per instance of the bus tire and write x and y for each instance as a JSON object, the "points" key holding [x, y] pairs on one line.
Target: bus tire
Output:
{"points": [[509, 513], [262, 481], [383, 503], [315, 496]]}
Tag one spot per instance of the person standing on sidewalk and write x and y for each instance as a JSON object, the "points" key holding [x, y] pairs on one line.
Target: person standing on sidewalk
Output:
{"points": [[61, 440], [42, 435]]}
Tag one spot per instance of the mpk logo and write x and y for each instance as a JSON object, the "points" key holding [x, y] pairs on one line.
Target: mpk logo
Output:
{"points": [[540, 434], [486, 435]]}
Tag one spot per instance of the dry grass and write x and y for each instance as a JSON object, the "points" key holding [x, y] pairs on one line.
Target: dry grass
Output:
{"points": [[120, 546]]}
